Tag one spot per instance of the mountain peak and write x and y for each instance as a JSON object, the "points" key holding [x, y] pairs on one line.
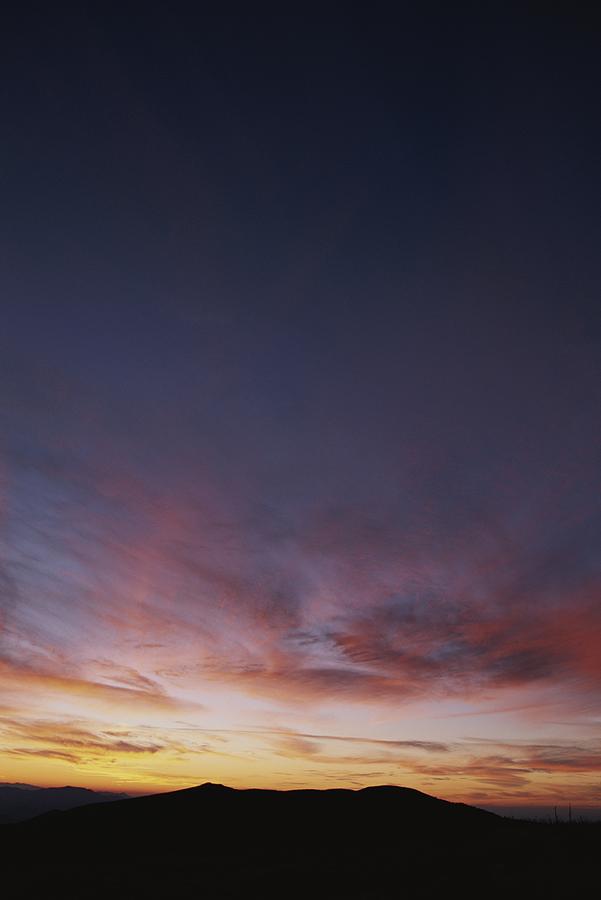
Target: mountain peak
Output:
{"points": [[212, 787]]}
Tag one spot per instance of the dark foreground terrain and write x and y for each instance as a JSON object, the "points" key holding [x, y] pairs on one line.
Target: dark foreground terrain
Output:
{"points": [[213, 841]]}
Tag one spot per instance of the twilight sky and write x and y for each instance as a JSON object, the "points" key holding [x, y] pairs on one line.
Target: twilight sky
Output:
{"points": [[300, 447]]}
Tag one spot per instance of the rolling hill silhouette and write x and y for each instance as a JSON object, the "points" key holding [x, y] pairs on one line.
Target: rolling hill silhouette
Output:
{"points": [[215, 841], [23, 801], [297, 807]]}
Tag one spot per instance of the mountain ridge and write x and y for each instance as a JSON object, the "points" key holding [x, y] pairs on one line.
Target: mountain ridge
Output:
{"points": [[20, 802], [216, 841]]}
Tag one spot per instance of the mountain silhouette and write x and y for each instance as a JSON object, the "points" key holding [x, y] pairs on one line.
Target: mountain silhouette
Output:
{"points": [[253, 816], [23, 801], [215, 841]]}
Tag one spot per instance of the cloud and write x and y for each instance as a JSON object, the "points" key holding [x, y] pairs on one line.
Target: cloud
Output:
{"points": [[331, 750], [23, 677], [127, 676], [427, 746], [291, 680], [27, 752], [75, 737]]}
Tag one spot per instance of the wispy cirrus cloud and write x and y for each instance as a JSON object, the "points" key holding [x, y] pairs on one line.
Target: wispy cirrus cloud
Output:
{"points": [[45, 680]]}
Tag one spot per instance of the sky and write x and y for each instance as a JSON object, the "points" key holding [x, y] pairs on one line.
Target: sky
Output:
{"points": [[300, 438]]}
